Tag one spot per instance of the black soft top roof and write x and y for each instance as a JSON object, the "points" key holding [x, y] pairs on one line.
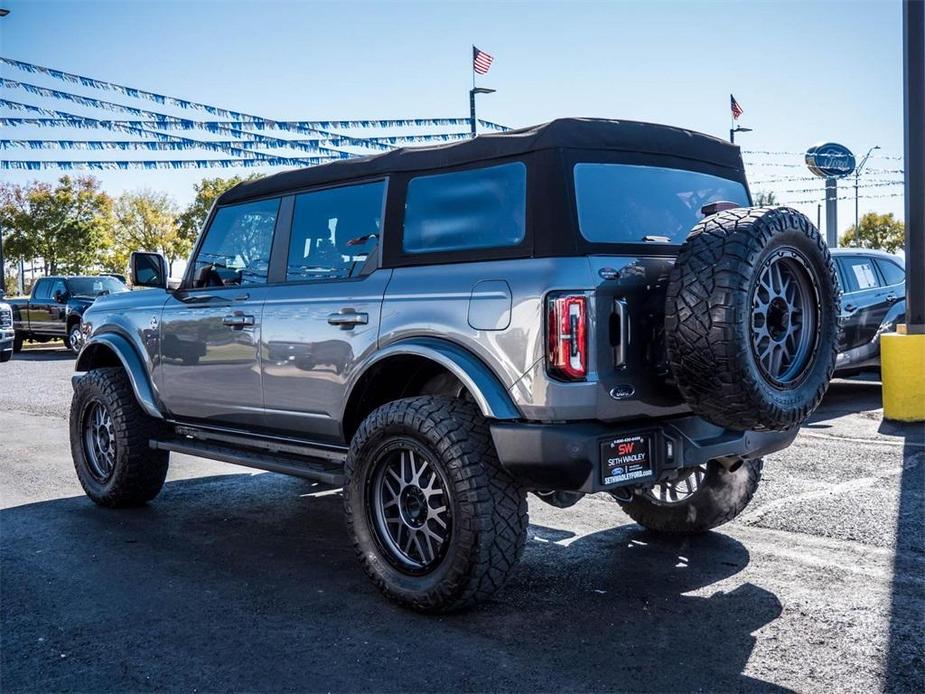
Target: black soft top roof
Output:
{"points": [[572, 133]]}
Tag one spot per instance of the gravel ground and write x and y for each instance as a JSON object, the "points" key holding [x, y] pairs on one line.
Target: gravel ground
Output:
{"points": [[245, 581]]}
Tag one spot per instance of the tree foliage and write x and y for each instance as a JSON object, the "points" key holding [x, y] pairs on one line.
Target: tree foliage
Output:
{"points": [[146, 221], [67, 225], [765, 199], [880, 231]]}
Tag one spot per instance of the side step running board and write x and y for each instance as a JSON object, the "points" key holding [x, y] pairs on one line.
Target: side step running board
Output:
{"points": [[298, 466]]}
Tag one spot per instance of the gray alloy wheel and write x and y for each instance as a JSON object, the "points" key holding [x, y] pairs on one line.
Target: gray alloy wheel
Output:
{"points": [[678, 491], [784, 318], [410, 509], [99, 441]]}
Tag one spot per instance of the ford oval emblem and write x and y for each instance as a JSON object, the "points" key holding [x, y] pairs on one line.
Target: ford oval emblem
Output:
{"points": [[622, 391], [609, 273], [830, 160]]}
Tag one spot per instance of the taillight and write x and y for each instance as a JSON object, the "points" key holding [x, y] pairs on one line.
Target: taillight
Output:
{"points": [[567, 336]]}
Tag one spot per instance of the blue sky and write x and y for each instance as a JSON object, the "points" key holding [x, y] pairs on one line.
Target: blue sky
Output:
{"points": [[803, 71]]}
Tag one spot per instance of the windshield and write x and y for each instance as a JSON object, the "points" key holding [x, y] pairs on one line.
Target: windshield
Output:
{"points": [[94, 286], [624, 203]]}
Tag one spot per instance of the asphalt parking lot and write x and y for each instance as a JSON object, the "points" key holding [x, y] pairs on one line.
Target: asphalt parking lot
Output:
{"points": [[233, 579]]}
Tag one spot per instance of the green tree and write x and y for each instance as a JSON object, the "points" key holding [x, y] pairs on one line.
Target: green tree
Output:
{"points": [[764, 199], [68, 225], [881, 231], [192, 219], [146, 221]]}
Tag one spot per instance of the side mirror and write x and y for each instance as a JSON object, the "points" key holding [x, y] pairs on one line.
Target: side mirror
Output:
{"points": [[149, 270]]}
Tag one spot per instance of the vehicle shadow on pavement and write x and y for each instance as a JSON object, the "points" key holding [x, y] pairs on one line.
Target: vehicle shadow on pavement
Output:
{"points": [[846, 396], [248, 582]]}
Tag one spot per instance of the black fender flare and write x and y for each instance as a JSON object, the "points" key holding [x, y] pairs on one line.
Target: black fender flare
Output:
{"points": [[131, 362], [490, 395]]}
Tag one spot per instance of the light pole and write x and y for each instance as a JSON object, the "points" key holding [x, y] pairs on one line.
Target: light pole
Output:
{"points": [[737, 129], [472, 93], [857, 176]]}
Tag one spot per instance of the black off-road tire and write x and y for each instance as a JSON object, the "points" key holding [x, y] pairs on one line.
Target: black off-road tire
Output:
{"points": [[139, 471], [489, 509], [17, 343], [708, 318], [722, 496], [6, 355]]}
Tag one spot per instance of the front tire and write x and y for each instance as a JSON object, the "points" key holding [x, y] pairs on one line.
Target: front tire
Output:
{"points": [[6, 355], [436, 522], [17, 343], [701, 500], [109, 441]]}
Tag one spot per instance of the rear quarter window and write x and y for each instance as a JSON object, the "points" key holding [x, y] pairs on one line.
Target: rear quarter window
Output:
{"points": [[892, 273], [463, 210], [629, 203]]}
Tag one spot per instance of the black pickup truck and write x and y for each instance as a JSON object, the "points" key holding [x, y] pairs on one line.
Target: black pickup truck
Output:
{"points": [[55, 308]]}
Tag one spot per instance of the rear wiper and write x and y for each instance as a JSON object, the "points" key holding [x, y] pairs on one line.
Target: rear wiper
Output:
{"points": [[656, 239]]}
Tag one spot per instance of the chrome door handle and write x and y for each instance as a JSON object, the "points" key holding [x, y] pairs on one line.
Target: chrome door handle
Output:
{"points": [[348, 318], [891, 298], [238, 321]]}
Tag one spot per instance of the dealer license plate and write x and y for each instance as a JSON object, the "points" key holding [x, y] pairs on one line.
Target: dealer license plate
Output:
{"points": [[626, 459]]}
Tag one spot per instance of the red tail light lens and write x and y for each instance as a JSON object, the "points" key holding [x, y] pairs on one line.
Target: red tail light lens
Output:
{"points": [[567, 336]]}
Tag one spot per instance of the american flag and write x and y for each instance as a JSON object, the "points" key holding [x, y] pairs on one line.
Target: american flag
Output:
{"points": [[736, 109], [481, 61]]}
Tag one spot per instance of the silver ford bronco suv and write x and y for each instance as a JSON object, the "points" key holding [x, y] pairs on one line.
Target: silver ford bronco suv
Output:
{"points": [[579, 307]]}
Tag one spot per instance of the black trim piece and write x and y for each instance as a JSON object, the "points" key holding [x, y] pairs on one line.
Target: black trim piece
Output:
{"points": [[272, 444], [279, 251], [321, 471]]}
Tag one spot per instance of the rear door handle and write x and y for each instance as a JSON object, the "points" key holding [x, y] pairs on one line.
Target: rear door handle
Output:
{"points": [[238, 321], [348, 318], [891, 298]]}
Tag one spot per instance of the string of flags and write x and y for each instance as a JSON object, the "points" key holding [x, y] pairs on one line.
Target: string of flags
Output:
{"points": [[244, 136]]}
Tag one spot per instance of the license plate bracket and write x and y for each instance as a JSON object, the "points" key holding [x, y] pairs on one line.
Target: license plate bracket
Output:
{"points": [[627, 458]]}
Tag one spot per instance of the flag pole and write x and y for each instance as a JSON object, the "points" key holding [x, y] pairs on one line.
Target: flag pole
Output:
{"points": [[472, 93]]}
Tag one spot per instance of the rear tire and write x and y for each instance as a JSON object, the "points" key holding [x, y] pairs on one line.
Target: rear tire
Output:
{"points": [[109, 441], [455, 490], [17, 344], [721, 496]]}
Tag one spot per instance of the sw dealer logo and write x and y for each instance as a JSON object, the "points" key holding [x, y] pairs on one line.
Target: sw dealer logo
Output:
{"points": [[626, 448]]}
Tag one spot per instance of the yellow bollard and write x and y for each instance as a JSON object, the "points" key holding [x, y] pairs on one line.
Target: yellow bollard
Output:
{"points": [[902, 366]]}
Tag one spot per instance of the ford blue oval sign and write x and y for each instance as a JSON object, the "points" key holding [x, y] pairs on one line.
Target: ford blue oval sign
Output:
{"points": [[830, 160]]}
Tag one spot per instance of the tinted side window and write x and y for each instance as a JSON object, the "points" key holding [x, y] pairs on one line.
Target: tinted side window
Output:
{"points": [[42, 290], [333, 231], [236, 249], [478, 208], [859, 274], [892, 273], [59, 287]]}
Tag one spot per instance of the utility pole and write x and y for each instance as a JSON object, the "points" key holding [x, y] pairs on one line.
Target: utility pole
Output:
{"points": [[914, 64], [857, 176]]}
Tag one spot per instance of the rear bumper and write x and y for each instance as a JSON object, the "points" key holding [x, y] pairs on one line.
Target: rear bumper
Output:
{"points": [[568, 456]]}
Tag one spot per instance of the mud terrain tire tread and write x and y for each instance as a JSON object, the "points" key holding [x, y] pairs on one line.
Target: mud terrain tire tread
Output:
{"points": [[707, 315], [139, 470], [723, 496], [490, 509]]}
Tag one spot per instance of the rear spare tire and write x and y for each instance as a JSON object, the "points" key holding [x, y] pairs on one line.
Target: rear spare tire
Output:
{"points": [[751, 319]]}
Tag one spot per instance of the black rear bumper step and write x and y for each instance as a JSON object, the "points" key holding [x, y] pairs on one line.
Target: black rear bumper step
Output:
{"points": [[298, 466]]}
